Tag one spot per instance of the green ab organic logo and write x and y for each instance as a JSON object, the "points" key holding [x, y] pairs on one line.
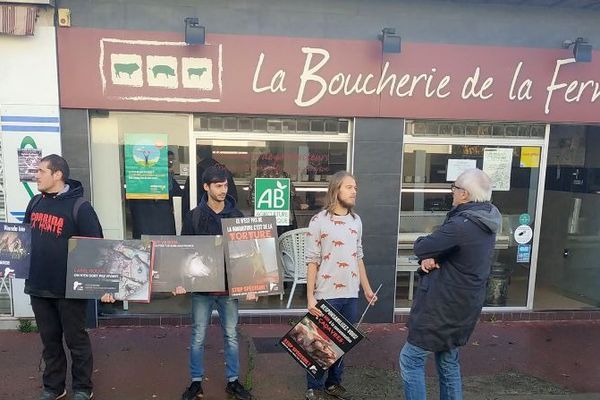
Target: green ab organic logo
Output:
{"points": [[272, 198]]}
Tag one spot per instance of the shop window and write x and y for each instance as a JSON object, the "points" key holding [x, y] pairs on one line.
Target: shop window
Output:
{"points": [[260, 125], [474, 129], [303, 126], [239, 143], [428, 171], [231, 124], [121, 209], [289, 126], [308, 164], [244, 124]]}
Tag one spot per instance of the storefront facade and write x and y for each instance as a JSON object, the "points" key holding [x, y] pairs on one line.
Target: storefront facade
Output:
{"points": [[29, 119], [308, 85]]}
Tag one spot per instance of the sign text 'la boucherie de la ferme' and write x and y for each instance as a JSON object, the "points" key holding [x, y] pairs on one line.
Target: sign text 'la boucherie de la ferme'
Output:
{"points": [[133, 70]]}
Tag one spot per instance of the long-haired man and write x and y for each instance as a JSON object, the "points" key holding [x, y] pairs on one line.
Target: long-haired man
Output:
{"points": [[336, 269]]}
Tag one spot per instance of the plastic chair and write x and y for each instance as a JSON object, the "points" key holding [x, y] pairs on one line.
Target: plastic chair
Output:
{"points": [[292, 245]]}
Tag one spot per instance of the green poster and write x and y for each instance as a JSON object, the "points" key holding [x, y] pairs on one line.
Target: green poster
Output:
{"points": [[272, 197], [146, 166]]}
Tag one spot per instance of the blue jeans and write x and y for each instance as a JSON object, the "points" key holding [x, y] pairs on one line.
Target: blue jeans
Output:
{"points": [[227, 307], [412, 368], [349, 309]]}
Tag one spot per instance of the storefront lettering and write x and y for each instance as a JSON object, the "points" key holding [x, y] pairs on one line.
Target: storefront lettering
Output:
{"points": [[400, 85], [296, 76], [470, 87], [276, 81], [314, 85], [524, 92], [573, 86]]}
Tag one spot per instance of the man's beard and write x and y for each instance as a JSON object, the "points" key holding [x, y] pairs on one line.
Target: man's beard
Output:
{"points": [[216, 198], [345, 204]]}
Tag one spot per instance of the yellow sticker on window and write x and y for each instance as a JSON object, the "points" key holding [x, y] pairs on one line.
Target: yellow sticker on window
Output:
{"points": [[530, 157]]}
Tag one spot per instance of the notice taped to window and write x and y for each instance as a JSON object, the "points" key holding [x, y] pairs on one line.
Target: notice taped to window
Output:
{"points": [[28, 163], [497, 163]]}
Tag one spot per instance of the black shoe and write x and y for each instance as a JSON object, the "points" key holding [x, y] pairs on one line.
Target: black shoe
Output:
{"points": [[193, 392], [236, 389], [50, 395], [338, 391], [316, 394], [82, 395]]}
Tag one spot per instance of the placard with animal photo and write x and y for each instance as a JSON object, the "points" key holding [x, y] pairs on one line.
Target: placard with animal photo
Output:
{"points": [[317, 342], [252, 265], [15, 250], [195, 263], [118, 267]]}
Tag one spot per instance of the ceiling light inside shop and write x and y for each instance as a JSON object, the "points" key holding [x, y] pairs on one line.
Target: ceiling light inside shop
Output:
{"points": [[239, 143], [428, 148]]}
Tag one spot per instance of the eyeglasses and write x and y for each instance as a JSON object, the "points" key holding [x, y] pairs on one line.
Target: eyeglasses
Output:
{"points": [[453, 187]]}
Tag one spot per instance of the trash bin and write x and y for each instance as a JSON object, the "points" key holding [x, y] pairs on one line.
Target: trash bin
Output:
{"points": [[497, 287]]}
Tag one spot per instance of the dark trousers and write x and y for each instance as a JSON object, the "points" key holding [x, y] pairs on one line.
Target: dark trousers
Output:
{"points": [[349, 309], [56, 318]]}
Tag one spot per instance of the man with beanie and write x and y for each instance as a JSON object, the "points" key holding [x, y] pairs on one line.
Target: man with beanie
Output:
{"points": [[206, 220], [55, 215]]}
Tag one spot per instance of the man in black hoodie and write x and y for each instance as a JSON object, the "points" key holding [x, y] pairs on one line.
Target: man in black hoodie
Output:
{"points": [[204, 155], [455, 265], [206, 220], [55, 215]]}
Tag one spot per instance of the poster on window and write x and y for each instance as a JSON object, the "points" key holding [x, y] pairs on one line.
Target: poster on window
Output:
{"points": [[317, 342], [28, 163], [252, 264], [497, 164], [118, 267], [146, 166], [195, 263], [15, 250], [458, 166]]}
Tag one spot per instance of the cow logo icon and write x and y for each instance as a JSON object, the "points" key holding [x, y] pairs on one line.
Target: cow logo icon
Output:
{"points": [[196, 73], [126, 70]]}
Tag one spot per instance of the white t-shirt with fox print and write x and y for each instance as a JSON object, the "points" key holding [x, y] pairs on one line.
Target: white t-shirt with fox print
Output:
{"points": [[334, 243]]}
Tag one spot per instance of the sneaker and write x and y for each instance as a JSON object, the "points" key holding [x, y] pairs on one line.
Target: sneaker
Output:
{"points": [[50, 395], [236, 389], [193, 392], [82, 395], [316, 394], [338, 391]]}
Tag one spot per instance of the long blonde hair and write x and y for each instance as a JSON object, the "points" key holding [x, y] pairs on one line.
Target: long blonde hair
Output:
{"points": [[335, 183]]}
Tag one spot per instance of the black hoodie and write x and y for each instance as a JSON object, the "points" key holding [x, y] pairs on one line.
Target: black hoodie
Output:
{"points": [[206, 221], [52, 225]]}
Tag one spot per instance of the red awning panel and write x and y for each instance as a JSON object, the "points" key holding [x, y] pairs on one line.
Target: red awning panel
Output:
{"points": [[17, 20]]}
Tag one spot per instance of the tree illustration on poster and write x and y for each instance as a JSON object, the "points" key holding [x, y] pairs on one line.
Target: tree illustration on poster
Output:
{"points": [[146, 166]]}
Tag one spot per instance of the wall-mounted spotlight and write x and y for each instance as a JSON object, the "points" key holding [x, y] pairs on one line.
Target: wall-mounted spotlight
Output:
{"points": [[390, 42], [582, 50], [194, 32]]}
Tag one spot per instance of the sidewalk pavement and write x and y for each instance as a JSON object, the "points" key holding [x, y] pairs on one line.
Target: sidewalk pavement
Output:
{"points": [[504, 360]]}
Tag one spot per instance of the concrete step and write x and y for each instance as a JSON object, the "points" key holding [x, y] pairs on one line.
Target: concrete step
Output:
{"points": [[8, 323]]}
